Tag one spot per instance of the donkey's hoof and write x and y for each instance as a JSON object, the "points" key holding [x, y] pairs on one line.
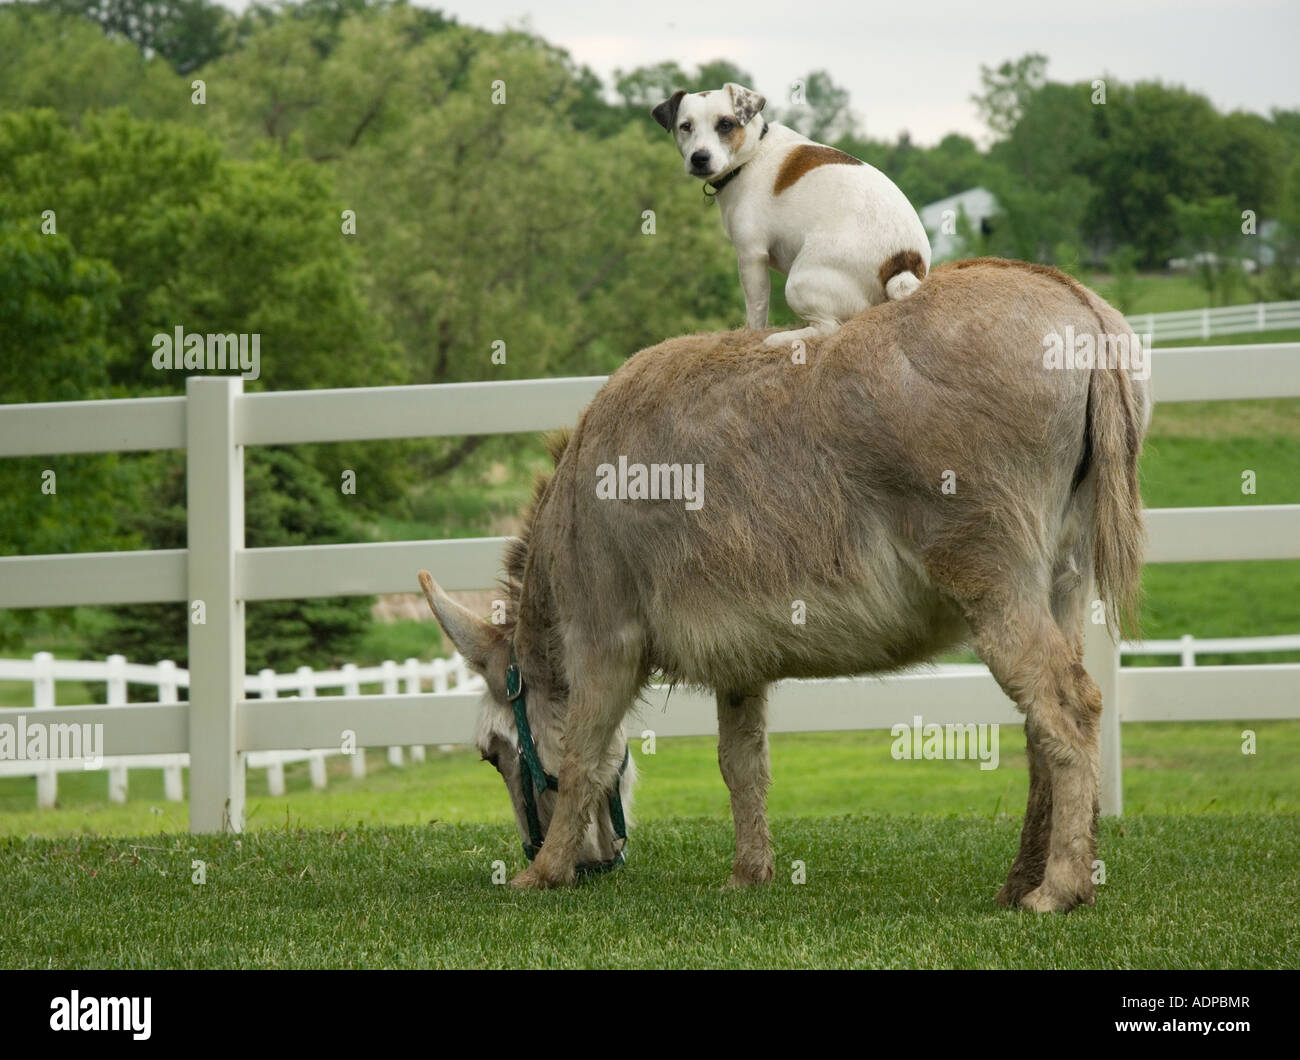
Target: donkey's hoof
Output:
{"points": [[527, 880], [531, 879], [1052, 898], [1014, 890], [535, 879], [749, 876]]}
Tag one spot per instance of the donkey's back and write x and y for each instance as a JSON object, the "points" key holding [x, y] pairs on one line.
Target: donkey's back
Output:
{"points": [[853, 495]]}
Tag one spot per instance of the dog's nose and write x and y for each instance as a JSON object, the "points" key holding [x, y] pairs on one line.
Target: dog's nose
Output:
{"points": [[700, 160]]}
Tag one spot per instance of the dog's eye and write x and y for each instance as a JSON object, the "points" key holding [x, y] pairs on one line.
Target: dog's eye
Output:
{"points": [[686, 126], [726, 125]]}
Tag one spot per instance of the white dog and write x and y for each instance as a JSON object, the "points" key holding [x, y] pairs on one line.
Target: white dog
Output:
{"points": [[840, 231]]}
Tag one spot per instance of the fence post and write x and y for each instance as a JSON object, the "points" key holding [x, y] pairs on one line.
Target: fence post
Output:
{"points": [[1187, 656], [1205, 323], [274, 768], [316, 761], [173, 787], [47, 777], [441, 676], [412, 682], [117, 774], [388, 675], [1101, 660], [214, 474], [352, 688]]}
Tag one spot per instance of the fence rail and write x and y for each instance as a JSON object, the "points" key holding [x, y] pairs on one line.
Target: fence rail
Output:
{"points": [[1221, 320], [43, 671], [221, 724]]}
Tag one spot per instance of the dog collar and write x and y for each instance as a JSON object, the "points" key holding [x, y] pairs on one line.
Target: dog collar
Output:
{"points": [[722, 182]]}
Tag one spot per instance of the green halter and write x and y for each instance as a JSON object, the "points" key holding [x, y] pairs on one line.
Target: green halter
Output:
{"points": [[531, 774]]}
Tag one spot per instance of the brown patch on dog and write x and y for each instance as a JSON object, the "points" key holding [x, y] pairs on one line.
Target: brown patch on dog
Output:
{"points": [[734, 139], [903, 261], [807, 157]]}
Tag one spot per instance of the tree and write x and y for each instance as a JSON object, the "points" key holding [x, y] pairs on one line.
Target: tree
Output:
{"points": [[1007, 91], [55, 305], [1122, 264], [824, 113], [645, 87], [212, 246], [66, 63], [1154, 144], [1283, 277], [186, 33], [1210, 234]]}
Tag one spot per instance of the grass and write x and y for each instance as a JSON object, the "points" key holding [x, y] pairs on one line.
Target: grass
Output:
{"points": [[881, 892], [1165, 293], [1170, 768], [901, 859]]}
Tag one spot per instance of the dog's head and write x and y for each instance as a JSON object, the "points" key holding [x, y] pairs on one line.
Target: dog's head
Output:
{"points": [[713, 129]]}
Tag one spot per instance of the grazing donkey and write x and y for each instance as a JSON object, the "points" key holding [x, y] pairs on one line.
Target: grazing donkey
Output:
{"points": [[825, 476]]}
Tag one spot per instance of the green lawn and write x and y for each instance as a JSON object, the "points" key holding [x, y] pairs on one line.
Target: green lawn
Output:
{"points": [[1160, 292], [902, 860], [1208, 891]]}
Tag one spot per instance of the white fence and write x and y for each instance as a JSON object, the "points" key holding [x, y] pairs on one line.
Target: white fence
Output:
{"points": [[1223, 320], [220, 725], [42, 671]]}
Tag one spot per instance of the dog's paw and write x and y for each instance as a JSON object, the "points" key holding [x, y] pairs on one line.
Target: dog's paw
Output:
{"points": [[788, 338]]}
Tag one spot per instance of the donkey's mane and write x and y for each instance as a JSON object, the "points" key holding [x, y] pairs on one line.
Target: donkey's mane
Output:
{"points": [[516, 557]]}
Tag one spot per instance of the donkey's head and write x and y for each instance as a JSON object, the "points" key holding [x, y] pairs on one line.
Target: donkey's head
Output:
{"points": [[520, 727]]}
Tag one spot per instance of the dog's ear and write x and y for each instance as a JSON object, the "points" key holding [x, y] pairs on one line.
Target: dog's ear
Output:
{"points": [[744, 101], [666, 113]]}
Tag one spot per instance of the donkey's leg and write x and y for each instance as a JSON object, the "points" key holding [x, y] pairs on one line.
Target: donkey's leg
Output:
{"points": [[1067, 598], [1036, 833], [598, 701], [1033, 662], [743, 758]]}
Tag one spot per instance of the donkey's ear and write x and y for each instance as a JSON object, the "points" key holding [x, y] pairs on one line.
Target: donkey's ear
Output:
{"points": [[473, 637], [666, 113], [745, 101]]}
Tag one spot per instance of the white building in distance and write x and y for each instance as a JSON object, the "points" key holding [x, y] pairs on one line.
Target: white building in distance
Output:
{"points": [[941, 220]]}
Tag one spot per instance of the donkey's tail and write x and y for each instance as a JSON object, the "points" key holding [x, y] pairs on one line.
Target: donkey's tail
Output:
{"points": [[1118, 412]]}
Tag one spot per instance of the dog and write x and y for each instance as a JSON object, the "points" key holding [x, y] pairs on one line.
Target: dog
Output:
{"points": [[840, 231]]}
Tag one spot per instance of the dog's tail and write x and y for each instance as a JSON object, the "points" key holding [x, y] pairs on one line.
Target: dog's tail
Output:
{"points": [[902, 274]]}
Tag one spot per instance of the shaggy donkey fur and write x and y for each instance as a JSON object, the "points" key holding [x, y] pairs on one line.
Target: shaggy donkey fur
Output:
{"points": [[823, 483]]}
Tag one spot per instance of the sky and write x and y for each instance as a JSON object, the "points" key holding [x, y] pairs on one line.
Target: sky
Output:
{"points": [[914, 65]]}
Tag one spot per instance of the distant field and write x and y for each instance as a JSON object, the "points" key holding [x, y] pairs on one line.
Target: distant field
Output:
{"points": [[1166, 293]]}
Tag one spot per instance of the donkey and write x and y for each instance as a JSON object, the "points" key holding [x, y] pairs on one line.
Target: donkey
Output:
{"points": [[921, 478]]}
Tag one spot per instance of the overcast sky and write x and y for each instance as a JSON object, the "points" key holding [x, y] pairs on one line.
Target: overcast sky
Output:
{"points": [[913, 64]]}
